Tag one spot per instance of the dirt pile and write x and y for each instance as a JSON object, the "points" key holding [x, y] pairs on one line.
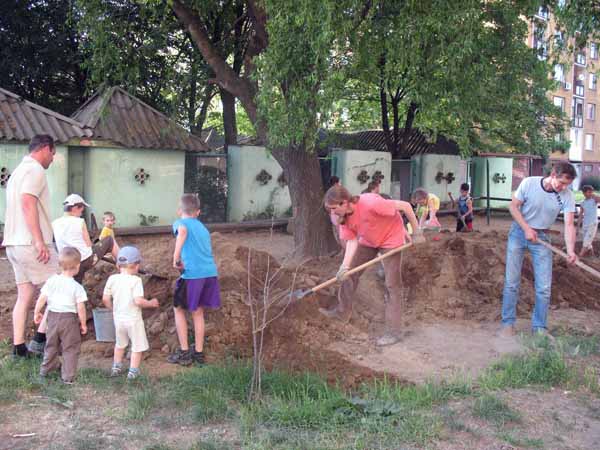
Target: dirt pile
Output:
{"points": [[459, 277]]}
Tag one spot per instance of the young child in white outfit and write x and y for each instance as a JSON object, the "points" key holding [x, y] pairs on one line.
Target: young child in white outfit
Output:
{"points": [[66, 316], [124, 294]]}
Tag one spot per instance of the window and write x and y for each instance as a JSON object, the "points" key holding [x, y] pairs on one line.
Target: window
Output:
{"points": [[591, 111], [580, 58], [559, 73], [539, 43], [559, 39], [577, 112], [559, 102], [587, 168], [589, 142], [593, 50], [593, 81], [543, 12]]}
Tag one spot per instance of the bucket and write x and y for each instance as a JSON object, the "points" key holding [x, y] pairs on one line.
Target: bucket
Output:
{"points": [[104, 325]]}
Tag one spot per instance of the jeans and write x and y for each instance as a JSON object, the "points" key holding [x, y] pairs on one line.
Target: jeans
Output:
{"points": [[542, 273]]}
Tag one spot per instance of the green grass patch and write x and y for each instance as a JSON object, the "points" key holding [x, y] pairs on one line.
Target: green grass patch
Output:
{"points": [[141, 403], [539, 367], [520, 442], [493, 409], [18, 376]]}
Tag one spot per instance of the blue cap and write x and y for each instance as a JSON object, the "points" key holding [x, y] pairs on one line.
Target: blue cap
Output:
{"points": [[129, 255]]}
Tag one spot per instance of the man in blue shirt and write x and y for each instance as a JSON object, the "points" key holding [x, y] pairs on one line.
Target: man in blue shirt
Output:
{"points": [[534, 208]]}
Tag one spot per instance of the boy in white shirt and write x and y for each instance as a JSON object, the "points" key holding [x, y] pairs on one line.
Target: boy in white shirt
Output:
{"points": [[124, 294], [66, 316]]}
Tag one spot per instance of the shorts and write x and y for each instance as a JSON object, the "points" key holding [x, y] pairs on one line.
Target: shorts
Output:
{"points": [[26, 266], [468, 223], [589, 233], [133, 331], [195, 293]]}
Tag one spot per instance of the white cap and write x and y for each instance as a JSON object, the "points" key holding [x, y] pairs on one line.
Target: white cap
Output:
{"points": [[74, 199]]}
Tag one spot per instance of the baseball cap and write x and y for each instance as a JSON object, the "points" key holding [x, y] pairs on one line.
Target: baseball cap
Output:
{"points": [[129, 255], [74, 199]]}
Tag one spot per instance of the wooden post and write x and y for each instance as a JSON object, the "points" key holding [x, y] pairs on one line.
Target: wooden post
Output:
{"points": [[488, 211]]}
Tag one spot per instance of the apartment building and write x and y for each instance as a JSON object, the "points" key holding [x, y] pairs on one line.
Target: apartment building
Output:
{"points": [[577, 94]]}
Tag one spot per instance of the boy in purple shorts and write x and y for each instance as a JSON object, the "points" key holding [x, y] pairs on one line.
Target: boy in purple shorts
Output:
{"points": [[198, 286]]}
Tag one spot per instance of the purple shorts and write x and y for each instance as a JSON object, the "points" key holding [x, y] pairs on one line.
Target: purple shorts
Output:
{"points": [[197, 293]]}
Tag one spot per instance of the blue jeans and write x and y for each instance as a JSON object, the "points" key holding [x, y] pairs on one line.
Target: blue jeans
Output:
{"points": [[542, 274]]}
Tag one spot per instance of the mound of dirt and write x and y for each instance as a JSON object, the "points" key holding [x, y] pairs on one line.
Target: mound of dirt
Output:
{"points": [[456, 279]]}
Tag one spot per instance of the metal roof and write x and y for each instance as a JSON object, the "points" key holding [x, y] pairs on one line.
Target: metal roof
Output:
{"points": [[20, 120], [375, 140], [117, 116]]}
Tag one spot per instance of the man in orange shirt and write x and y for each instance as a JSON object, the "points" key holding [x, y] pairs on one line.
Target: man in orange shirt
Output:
{"points": [[370, 224]]}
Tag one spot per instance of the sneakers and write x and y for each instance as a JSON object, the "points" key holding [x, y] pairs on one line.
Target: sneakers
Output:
{"points": [[198, 358], [181, 357], [117, 370], [507, 331], [543, 332], [133, 373], [36, 348], [68, 382]]}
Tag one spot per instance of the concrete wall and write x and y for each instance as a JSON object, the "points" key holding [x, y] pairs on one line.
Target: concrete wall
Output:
{"points": [[427, 167], [348, 164], [500, 188], [10, 157], [109, 183], [247, 198]]}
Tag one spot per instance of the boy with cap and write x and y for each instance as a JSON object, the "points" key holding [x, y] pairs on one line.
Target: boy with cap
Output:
{"points": [[124, 294], [70, 230]]}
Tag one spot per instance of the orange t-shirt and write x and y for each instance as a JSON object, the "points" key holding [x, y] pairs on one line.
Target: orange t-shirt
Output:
{"points": [[375, 222]]}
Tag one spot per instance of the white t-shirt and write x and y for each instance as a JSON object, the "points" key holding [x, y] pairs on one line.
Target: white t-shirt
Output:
{"points": [[540, 208], [124, 289], [68, 232], [63, 294], [28, 178]]}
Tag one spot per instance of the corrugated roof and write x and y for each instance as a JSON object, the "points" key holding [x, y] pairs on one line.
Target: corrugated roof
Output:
{"points": [[375, 140], [20, 120], [117, 116]]}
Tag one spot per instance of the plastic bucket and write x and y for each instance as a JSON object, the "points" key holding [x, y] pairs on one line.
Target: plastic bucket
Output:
{"points": [[104, 325]]}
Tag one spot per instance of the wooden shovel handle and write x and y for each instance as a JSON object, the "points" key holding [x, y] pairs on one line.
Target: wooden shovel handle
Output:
{"points": [[564, 255], [362, 266]]}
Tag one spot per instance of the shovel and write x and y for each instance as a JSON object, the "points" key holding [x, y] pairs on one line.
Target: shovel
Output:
{"points": [[564, 255], [300, 294], [141, 271]]}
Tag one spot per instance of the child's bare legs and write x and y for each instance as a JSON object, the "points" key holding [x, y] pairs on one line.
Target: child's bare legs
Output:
{"points": [[119, 355], [182, 328], [136, 360], [115, 249], [198, 318]]}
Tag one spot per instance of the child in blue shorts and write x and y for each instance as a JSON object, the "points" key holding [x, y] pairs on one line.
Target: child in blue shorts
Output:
{"points": [[198, 286]]}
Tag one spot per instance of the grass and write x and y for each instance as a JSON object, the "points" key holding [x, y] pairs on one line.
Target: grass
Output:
{"points": [[493, 409], [141, 402], [543, 367], [304, 411]]}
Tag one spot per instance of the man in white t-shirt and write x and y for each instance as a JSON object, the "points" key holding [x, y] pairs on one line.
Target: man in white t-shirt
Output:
{"points": [[28, 233], [535, 207]]}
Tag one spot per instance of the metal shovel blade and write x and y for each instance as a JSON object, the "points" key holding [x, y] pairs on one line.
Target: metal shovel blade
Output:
{"points": [[299, 294]]}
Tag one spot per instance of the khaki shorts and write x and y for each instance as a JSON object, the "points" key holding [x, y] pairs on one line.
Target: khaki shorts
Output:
{"points": [[131, 331], [26, 266]]}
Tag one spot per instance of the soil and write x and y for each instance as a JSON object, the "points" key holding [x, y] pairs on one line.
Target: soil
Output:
{"points": [[453, 290]]}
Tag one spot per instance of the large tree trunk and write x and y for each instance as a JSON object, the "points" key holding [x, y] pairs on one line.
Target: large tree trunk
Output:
{"points": [[312, 228], [229, 121]]}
